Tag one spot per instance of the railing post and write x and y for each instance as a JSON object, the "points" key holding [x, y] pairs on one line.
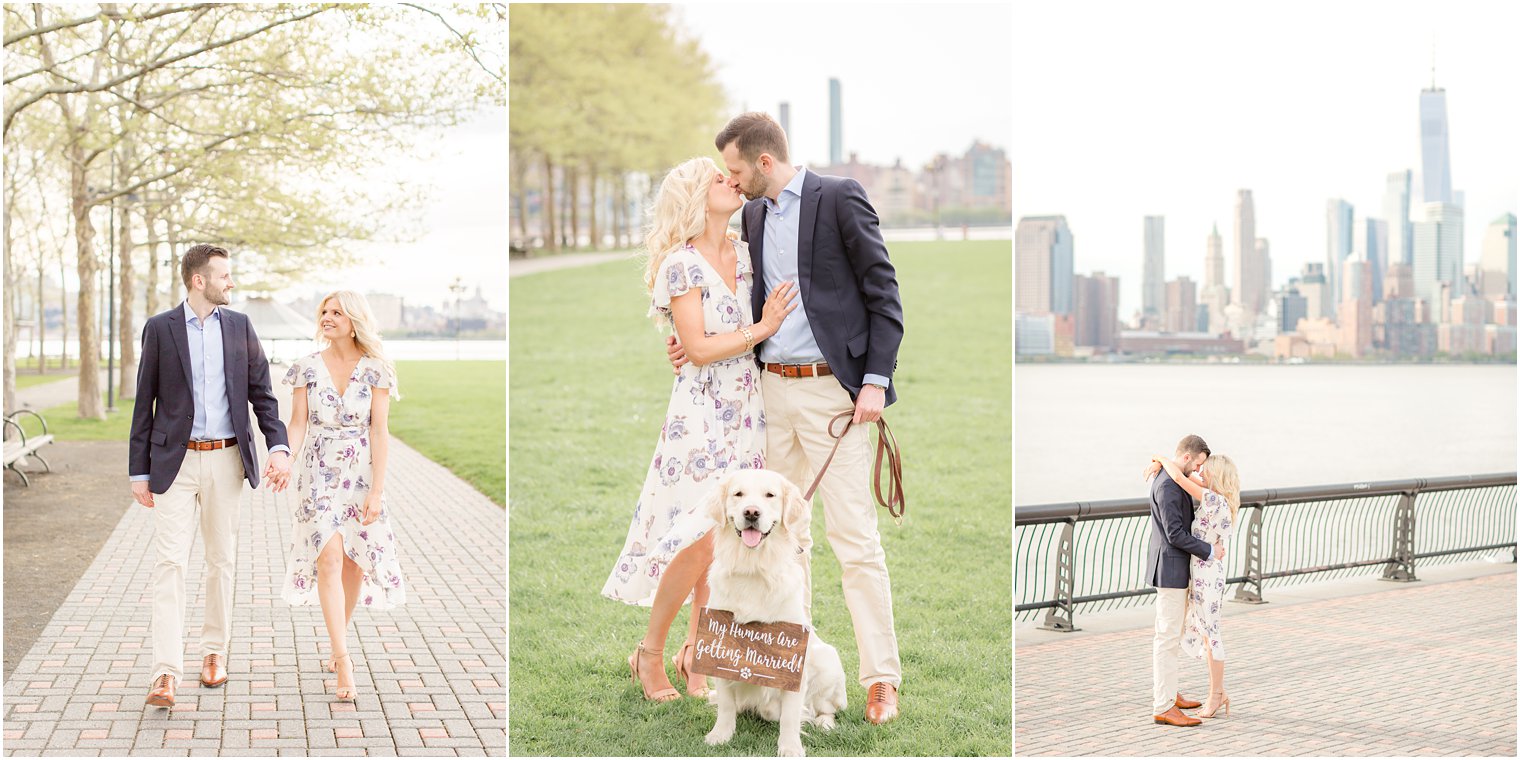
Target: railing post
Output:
{"points": [[1400, 566], [1249, 591], [1060, 618]]}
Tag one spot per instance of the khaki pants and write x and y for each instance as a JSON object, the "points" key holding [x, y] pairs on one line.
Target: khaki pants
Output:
{"points": [[213, 481], [797, 414], [1166, 647]]}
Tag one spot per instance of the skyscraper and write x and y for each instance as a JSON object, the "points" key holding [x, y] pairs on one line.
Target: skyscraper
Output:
{"points": [[1095, 306], [784, 115], [1375, 249], [1248, 280], [1264, 266], [1181, 305], [1042, 265], [836, 129], [1153, 284], [1498, 261], [1214, 295], [1396, 214], [1339, 216], [1435, 147], [1437, 251]]}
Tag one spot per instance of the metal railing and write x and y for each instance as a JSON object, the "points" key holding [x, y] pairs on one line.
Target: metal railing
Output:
{"points": [[1091, 555]]}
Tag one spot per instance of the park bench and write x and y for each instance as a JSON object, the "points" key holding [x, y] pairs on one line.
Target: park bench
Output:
{"points": [[18, 446]]}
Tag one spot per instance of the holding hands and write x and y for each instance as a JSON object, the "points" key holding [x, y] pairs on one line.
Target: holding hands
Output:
{"points": [[277, 472]]}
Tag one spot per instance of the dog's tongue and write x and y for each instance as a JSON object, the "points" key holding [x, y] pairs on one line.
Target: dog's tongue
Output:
{"points": [[751, 537]]}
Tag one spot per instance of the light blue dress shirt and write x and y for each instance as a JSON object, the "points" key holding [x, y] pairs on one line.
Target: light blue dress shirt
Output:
{"points": [[793, 343], [208, 380]]}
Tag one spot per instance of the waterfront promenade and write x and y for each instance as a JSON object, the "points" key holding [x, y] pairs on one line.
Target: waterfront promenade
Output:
{"points": [[430, 674], [1419, 669]]}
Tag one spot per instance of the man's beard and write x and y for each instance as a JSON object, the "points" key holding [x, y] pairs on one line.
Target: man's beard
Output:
{"points": [[758, 188], [218, 297]]}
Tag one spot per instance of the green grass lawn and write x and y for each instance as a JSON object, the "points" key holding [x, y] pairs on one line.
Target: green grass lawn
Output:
{"points": [[455, 414], [452, 412], [27, 379], [589, 388]]}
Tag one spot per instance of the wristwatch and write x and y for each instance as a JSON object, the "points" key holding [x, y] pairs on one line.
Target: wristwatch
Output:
{"points": [[882, 387]]}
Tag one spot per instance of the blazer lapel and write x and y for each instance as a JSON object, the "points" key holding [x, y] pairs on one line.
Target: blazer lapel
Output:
{"points": [[234, 359], [754, 216], [812, 195], [182, 342]]}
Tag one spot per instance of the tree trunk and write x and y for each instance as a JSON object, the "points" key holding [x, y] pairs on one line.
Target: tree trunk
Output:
{"points": [[91, 406], [150, 289], [591, 178], [176, 282], [520, 182], [9, 381], [41, 315], [125, 335], [617, 210], [551, 232], [572, 197], [63, 309]]}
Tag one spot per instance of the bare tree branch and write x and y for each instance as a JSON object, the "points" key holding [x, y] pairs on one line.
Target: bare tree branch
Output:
{"points": [[468, 46], [111, 14]]}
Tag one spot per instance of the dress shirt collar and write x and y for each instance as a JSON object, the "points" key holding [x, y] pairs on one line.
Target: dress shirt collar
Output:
{"points": [[215, 315], [794, 187]]}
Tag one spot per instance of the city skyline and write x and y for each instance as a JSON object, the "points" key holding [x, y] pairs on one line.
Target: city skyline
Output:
{"points": [[937, 82], [1167, 137]]}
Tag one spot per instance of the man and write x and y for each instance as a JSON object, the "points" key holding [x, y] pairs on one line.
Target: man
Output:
{"points": [[202, 367], [835, 354], [1167, 569]]}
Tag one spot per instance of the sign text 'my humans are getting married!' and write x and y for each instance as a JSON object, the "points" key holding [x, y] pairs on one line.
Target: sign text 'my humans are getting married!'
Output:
{"points": [[763, 654]]}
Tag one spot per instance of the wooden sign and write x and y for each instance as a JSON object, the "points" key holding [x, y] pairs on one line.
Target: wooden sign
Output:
{"points": [[763, 654]]}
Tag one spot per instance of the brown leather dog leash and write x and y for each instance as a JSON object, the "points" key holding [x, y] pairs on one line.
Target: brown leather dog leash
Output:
{"points": [[887, 452]]}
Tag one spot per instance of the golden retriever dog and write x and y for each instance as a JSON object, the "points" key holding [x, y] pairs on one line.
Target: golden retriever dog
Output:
{"points": [[756, 574]]}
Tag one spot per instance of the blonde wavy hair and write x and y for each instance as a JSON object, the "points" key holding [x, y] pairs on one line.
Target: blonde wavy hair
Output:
{"points": [[366, 332], [1224, 480], [679, 212]]}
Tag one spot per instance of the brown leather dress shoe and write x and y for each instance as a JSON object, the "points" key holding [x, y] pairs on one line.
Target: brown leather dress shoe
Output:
{"points": [[1175, 717], [214, 670], [881, 702], [162, 693], [1185, 703]]}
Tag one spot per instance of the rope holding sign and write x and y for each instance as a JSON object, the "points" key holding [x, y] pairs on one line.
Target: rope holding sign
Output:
{"points": [[887, 452]]}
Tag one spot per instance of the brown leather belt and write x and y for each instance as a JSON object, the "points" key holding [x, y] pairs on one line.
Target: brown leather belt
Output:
{"points": [[225, 443], [888, 454], [799, 370]]}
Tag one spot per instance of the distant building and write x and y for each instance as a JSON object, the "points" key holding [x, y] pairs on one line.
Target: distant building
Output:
{"points": [[1314, 289], [1149, 342], [1354, 314], [1375, 248], [1215, 295], [1291, 307], [1034, 334], [1498, 261], [1181, 305], [784, 116], [1437, 249], [1435, 149], [836, 127], [1396, 214], [1249, 283], [1153, 281], [1043, 251], [1096, 312], [1338, 245]]}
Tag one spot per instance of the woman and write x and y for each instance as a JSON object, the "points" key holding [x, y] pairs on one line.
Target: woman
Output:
{"points": [[1216, 493], [699, 280], [343, 548]]}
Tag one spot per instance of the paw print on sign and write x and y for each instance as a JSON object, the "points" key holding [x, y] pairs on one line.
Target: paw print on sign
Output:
{"points": [[745, 673]]}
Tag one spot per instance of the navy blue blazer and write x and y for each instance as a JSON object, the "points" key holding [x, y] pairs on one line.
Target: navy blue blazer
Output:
{"points": [[849, 287], [1172, 538], [165, 408]]}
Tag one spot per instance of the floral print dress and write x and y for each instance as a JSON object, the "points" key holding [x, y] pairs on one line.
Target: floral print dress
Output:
{"points": [[715, 422], [1212, 524], [334, 479]]}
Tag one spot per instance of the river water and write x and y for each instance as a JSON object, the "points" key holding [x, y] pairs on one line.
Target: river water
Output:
{"points": [[1084, 432]]}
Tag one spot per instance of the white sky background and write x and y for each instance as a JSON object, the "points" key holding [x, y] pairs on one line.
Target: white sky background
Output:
{"points": [[915, 79], [460, 176], [1135, 109]]}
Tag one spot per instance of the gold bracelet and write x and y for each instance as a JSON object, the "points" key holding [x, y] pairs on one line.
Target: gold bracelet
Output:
{"points": [[749, 339]]}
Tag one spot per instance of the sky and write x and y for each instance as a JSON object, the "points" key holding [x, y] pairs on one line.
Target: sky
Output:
{"points": [[915, 79], [1128, 110], [459, 179]]}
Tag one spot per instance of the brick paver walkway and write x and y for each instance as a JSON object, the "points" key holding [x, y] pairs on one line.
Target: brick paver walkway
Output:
{"points": [[431, 674], [1422, 669]]}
